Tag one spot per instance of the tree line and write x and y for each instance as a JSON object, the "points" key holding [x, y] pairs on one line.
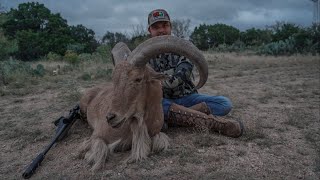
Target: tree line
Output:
{"points": [[280, 38], [32, 31]]}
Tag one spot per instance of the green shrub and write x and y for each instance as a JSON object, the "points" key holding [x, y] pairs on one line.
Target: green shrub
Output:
{"points": [[222, 47], [39, 71], [84, 57], [51, 56], [85, 76], [19, 74], [71, 57], [14, 71], [286, 47], [237, 46], [103, 52]]}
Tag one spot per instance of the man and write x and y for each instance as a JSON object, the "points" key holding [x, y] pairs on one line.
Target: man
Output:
{"points": [[182, 105]]}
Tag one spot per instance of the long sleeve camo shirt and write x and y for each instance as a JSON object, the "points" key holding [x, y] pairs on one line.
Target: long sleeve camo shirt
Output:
{"points": [[179, 69]]}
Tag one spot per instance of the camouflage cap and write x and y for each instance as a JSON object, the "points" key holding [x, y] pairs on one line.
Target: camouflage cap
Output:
{"points": [[158, 15]]}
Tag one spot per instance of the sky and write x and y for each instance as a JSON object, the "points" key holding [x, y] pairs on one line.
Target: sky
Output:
{"points": [[125, 15]]}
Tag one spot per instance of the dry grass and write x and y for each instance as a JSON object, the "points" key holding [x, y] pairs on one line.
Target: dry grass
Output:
{"points": [[278, 99]]}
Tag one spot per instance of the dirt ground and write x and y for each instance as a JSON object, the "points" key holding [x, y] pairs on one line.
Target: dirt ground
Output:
{"points": [[277, 98]]}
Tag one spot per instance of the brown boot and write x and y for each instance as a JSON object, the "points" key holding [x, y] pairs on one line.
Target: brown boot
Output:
{"points": [[202, 107], [182, 116]]}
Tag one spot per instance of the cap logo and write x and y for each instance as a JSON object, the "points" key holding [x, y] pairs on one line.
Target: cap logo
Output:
{"points": [[158, 14]]}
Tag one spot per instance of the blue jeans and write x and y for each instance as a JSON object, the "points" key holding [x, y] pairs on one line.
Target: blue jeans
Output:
{"points": [[219, 105]]}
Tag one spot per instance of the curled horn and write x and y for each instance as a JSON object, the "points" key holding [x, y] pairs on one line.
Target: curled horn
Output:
{"points": [[120, 52], [170, 44]]}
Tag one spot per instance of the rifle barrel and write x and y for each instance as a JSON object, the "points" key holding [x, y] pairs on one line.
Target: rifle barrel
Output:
{"points": [[36, 162]]}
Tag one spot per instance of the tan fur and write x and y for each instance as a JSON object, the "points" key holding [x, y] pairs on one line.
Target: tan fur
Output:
{"points": [[135, 98], [141, 142], [160, 142]]}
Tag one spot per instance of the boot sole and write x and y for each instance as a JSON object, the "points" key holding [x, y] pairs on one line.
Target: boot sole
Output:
{"points": [[241, 128]]}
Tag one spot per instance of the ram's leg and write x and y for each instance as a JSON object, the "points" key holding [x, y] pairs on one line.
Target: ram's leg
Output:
{"points": [[84, 148], [96, 152], [141, 142], [160, 142]]}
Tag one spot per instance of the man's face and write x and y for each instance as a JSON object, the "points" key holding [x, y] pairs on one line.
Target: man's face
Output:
{"points": [[160, 28]]}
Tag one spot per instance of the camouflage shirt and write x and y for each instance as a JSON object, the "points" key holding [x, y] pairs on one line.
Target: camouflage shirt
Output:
{"points": [[179, 69]]}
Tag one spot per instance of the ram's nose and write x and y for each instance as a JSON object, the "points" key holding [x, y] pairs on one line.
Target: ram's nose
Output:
{"points": [[110, 117]]}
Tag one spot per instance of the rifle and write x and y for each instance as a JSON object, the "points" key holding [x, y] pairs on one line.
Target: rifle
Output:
{"points": [[63, 125]]}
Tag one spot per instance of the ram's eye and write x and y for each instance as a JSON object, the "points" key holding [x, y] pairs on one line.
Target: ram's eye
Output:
{"points": [[138, 80]]}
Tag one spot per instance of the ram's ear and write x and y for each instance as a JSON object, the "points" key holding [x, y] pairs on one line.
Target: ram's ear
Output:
{"points": [[155, 75], [159, 76], [120, 52]]}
